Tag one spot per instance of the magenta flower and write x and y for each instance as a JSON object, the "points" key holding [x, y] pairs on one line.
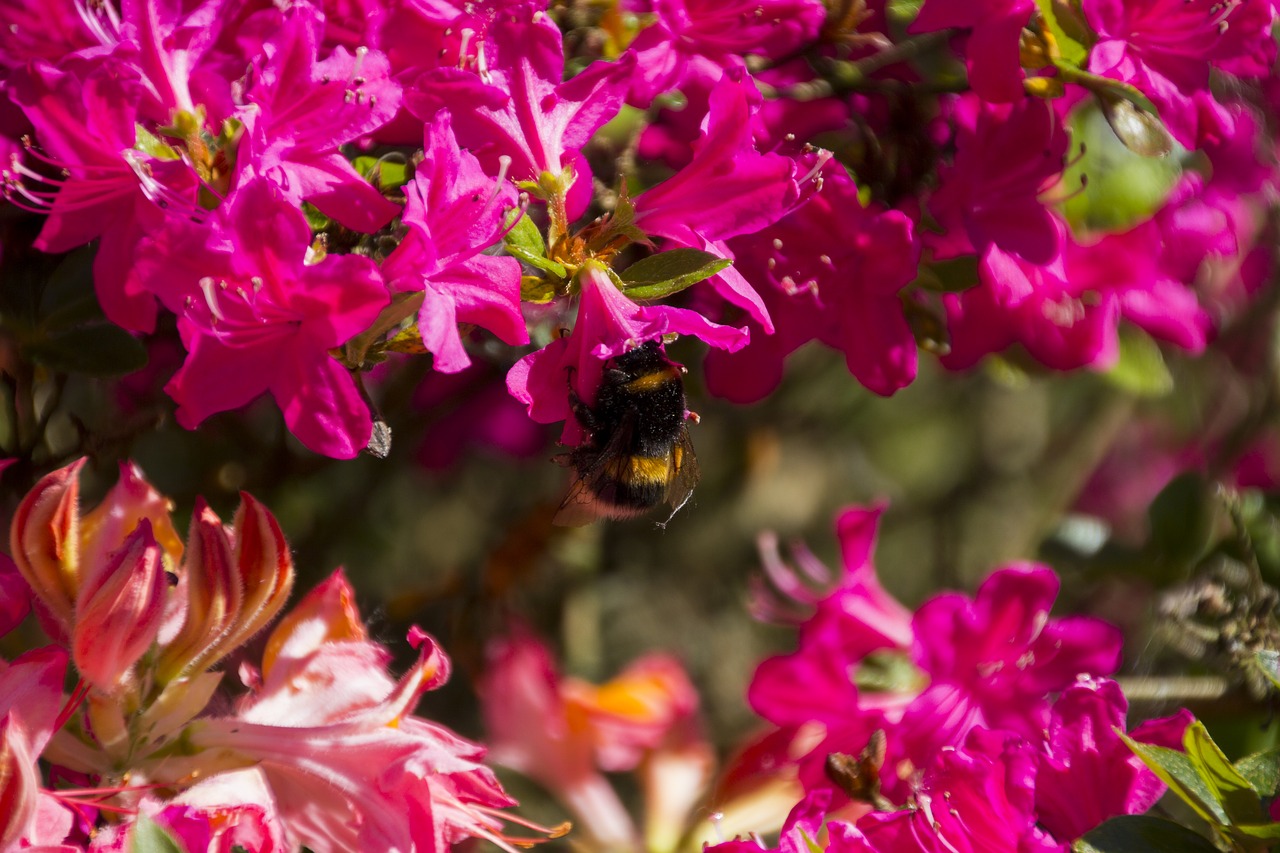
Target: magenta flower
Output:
{"points": [[300, 110], [33, 29], [702, 38], [1006, 156], [992, 50], [519, 108], [453, 212], [728, 189], [1086, 773], [992, 659], [1166, 48], [968, 801], [608, 325], [1059, 322], [831, 270], [84, 115], [255, 317], [1134, 266]]}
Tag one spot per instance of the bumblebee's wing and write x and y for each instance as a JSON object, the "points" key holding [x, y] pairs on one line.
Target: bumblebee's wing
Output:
{"points": [[582, 504], [686, 474]]}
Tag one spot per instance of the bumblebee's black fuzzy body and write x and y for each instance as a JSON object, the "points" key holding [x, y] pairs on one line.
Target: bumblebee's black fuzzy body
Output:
{"points": [[637, 453]]}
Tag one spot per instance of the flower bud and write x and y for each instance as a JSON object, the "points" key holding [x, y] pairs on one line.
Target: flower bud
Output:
{"points": [[44, 539], [119, 610], [213, 596], [265, 569]]}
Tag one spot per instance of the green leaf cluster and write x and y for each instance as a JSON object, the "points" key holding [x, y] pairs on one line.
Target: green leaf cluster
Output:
{"points": [[1227, 796]]}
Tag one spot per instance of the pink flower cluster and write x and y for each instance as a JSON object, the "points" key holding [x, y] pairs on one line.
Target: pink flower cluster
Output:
{"points": [[210, 150], [307, 744], [962, 691]]}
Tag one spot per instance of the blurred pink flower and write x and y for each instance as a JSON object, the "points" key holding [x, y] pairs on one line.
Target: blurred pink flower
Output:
{"points": [[1166, 49], [1086, 773], [701, 38], [992, 52]]}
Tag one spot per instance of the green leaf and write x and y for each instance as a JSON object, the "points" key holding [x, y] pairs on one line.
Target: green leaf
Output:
{"points": [[384, 172], [1109, 187], [888, 672], [150, 144], [101, 350], [535, 290], [1181, 519], [953, 275], [1068, 30], [1254, 836], [68, 298], [1238, 797], [316, 220], [1177, 771], [1142, 834], [1140, 370], [524, 241], [669, 272], [147, 836], [1262, 769], [1267, 662]]}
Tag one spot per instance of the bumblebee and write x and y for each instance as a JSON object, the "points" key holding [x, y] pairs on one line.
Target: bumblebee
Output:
{"points": [[637, 452]]}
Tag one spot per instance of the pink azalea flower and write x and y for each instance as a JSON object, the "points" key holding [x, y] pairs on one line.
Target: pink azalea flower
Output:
{"points": [[33, 29], [519, 108], [968, 801], [1006, 156], [1086, 773], [803, 829], [992, 50], [982, 662], [453, 212], [58, 548], [1060, 322], [608, 325], [701, 38], [992, 659], [562, 732], [831, 270], [728, 189], [30, 704], [84, 115], [1166, 48], [300, 110], [255, 317], [222, 814], [530, 730], [334, 738]]}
